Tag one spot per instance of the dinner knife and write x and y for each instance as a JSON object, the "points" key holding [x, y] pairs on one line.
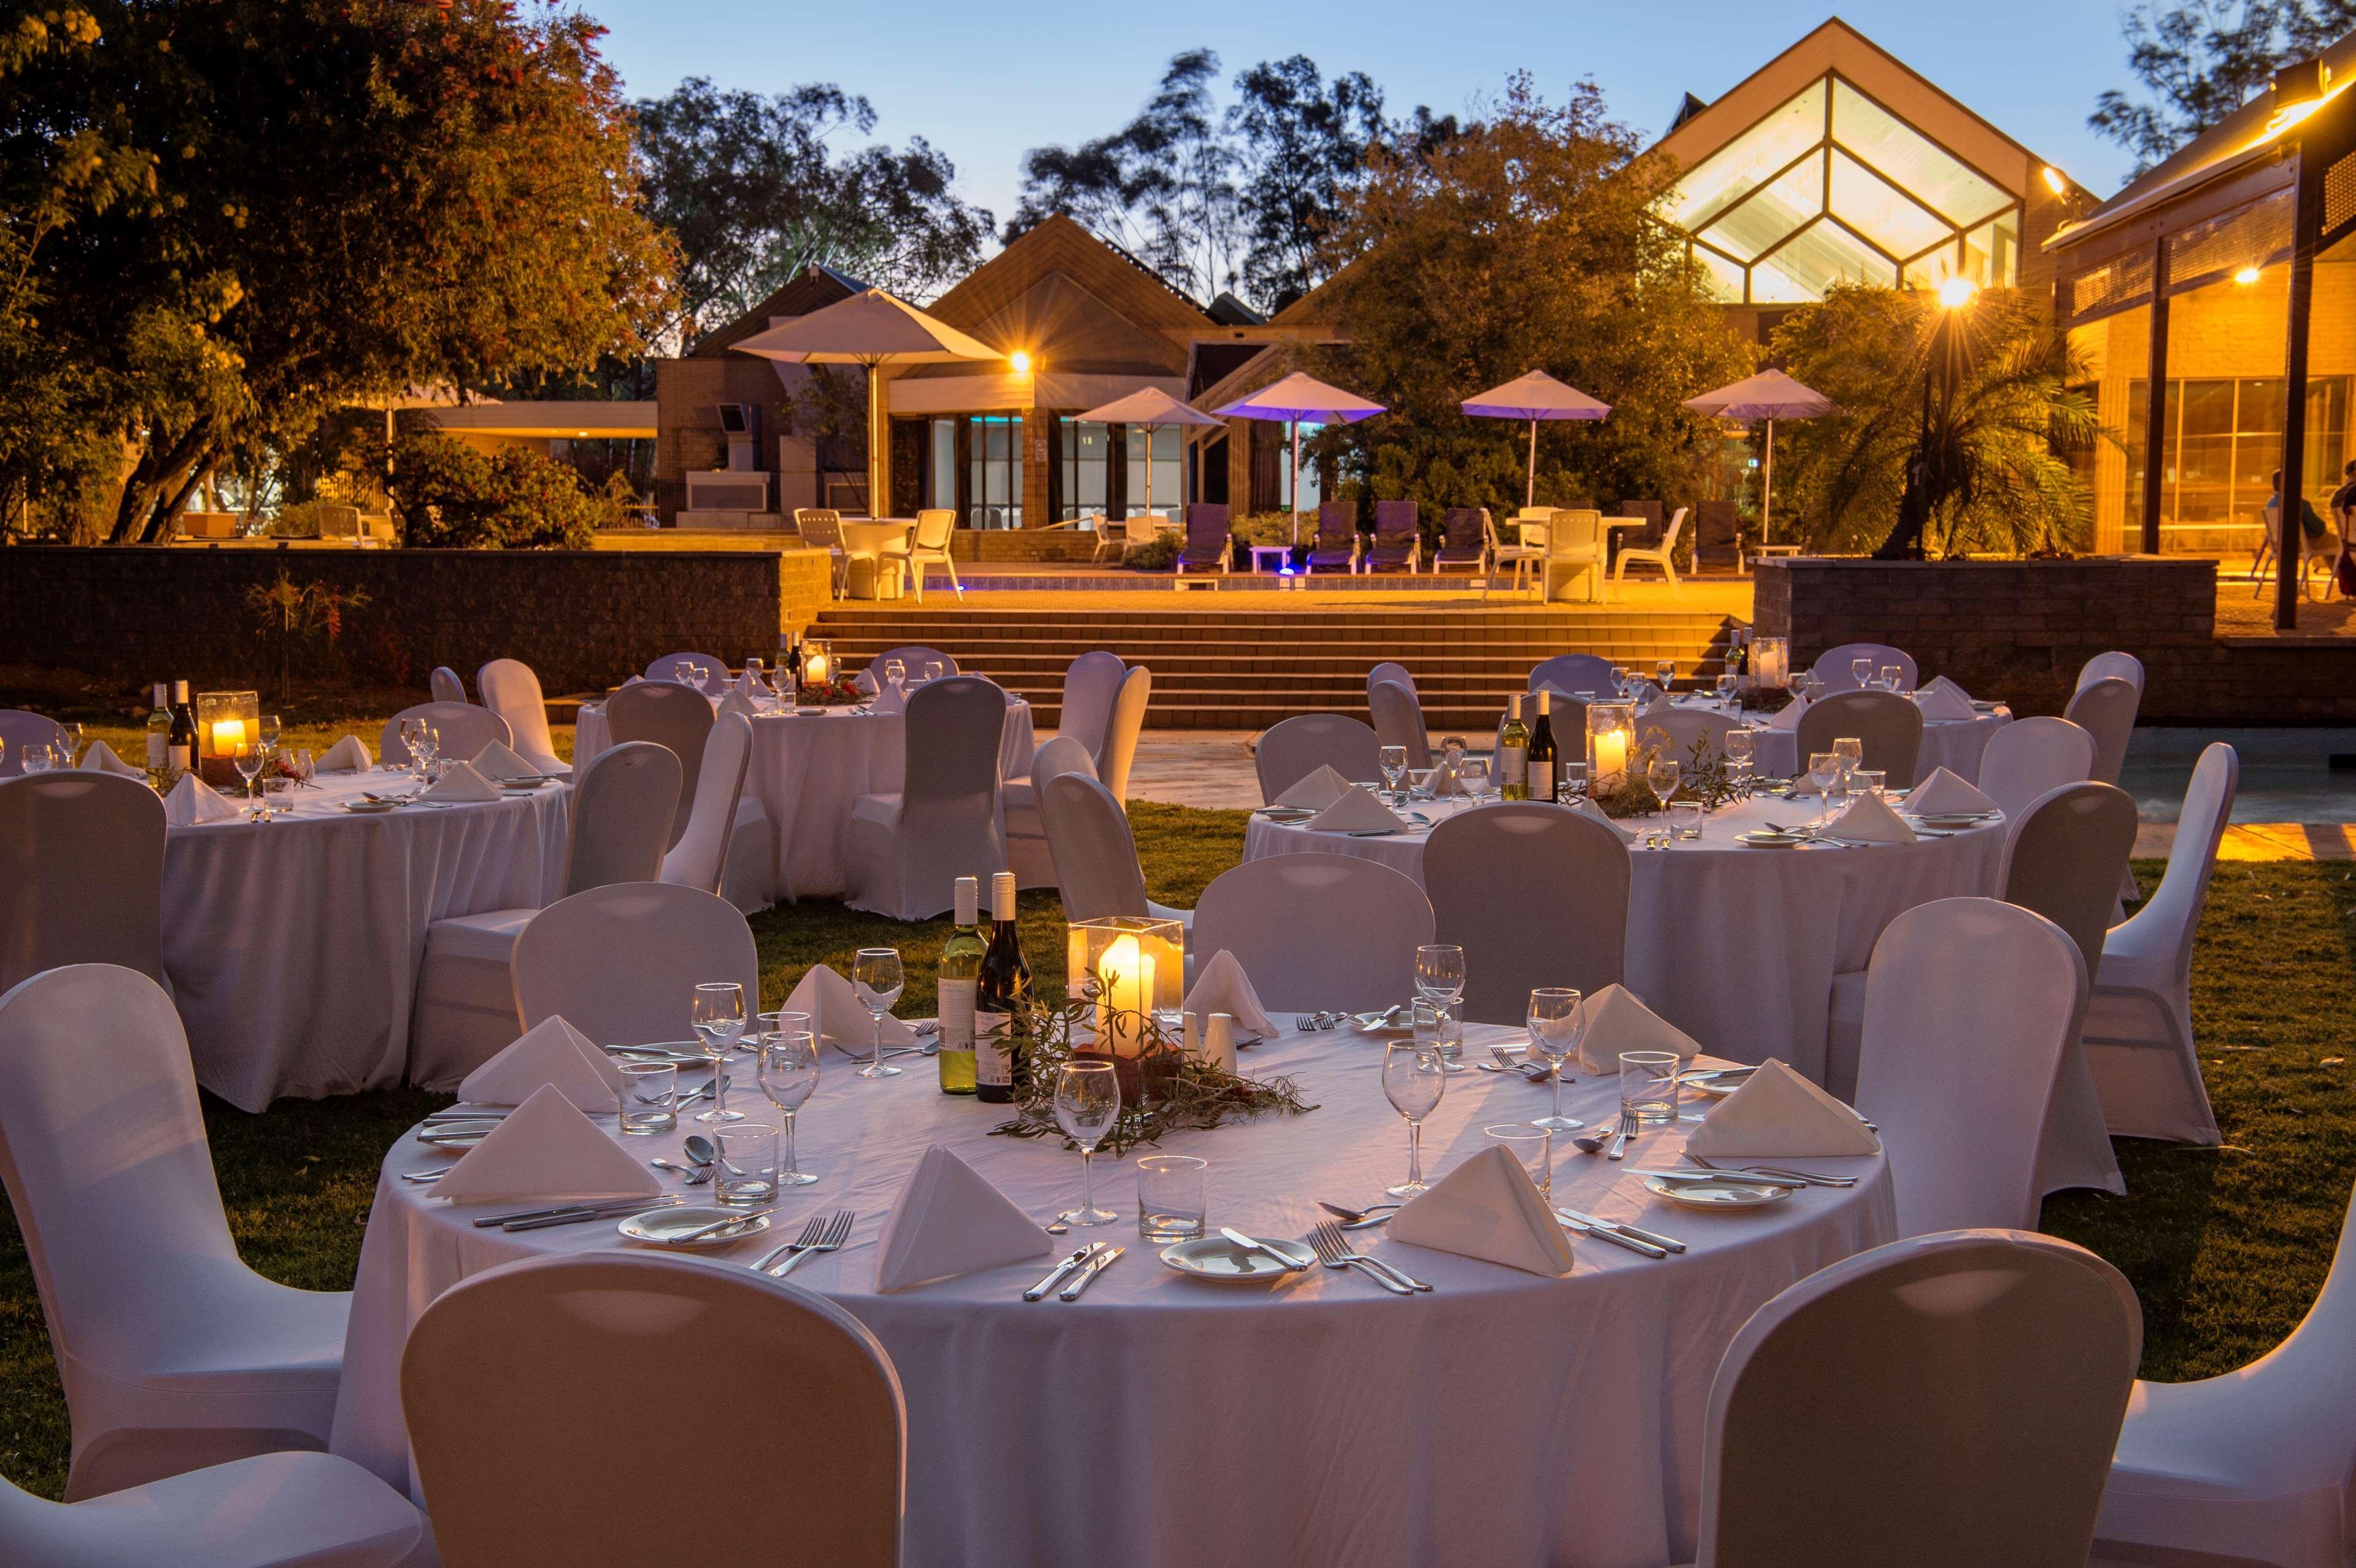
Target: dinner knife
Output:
{"points": [[486, 1221], [1617, 1239], [1088, 1272], [1056, 1274], [1667, 1244], [589, 1216]]}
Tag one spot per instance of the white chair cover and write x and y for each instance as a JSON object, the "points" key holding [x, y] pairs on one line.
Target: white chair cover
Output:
{"points": [[666, 668], [522, 1462], [174, 1354], [19, 729], [671, 715], [1091, 686], [1399, 721], [2030, 758], [915, 656], [2104, 666], [1291, 751], [1121, 734], [623, 804], [464, 727], [908, 850], [82, 873], [1890, 725], [1968, 1005], [1095, 854], [622, 963], [1394, 672], [1316, 932], [1536, 894], [1567, 717], [275, 1510], [1976, 1382], [1574, 673], [1832, 666], [510, 689], [701, 854], [445, 685], [1027, 855], [2105, 709], [2139, 1023], [1677, 731]]}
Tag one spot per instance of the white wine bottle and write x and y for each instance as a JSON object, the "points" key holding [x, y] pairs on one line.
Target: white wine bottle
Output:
{"points": [[1542, 754], [1513, 756], [159, 734], [1002, 1020], [960, 979]]}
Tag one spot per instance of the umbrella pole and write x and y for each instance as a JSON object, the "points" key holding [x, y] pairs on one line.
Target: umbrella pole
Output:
{"points": [[1767, 489], [1530, 491], [1295, 503], [874, 444], [1149, 469]]}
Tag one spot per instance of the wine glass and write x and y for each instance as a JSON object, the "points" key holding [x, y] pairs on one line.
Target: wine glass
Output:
{"points": [[1893, 677], [717, 1014], [1556, 1022], [69, 744], [895, 671], [1668, 671], [1087, 1103], [1662, 774], [684, 671], [306, 769], [251, 756], [877, 977], [1439, 980], [1823, 768], [1863, 669], [1851, 752], [1741, 755], [934, 670], [787, 1064], [1414, 1077], [1620, 681], [1392, 760], [1726, 693], [1473, 772], [269, 731]]}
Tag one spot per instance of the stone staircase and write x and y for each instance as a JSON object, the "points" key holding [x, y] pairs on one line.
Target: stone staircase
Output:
{"points": [[1229, 668]]}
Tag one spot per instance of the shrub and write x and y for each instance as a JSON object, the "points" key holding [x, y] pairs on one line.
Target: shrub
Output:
{"points": [[299, 521], [450, 496], [1267, 527], [1159, 554]]}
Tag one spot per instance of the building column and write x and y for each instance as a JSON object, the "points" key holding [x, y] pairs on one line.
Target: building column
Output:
{"points": [[2307, 231], [1039, 453], [2155, 428]]}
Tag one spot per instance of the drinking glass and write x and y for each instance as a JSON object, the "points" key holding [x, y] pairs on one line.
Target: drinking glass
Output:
{"points": [[1532, 1147], [1473, 772], [1871, 780], [1087, 1103], [1556, 1021], [1414, 1077], [1392, 760], [69, 745], [268, 729], [1893, 677], [1726, 693], [716, 1013], [787, 1064], [306, 768], [748, 1166], [1419, 783], [1172, 1202], [1648, 1085], [649, 1096], [34, 758], [876, 976], [1863, 669], [251, 758], [1684, 820], [934, 670], [1573, 778], [684, 671], [1439, 980], [1824, 771], [1741, 752], [895, 671]]}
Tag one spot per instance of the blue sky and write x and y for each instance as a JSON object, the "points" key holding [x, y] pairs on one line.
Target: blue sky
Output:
{"points": [[984, 83]]}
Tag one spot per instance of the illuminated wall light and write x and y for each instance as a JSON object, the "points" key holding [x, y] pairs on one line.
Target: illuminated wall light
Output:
{"points": [[2246, 276], [1020, 362], [2056, 181], [1957, 293]]}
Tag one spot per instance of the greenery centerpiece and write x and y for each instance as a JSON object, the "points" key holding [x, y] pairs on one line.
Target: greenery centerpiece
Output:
{"points": [[835, 691], [1703, 774]]}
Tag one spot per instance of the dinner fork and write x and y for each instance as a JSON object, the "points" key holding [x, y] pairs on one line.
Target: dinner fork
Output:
{"points": [[812, 1234], [1782, 1173], [1621, 1135], [1335, 1253], [830, 1241]]}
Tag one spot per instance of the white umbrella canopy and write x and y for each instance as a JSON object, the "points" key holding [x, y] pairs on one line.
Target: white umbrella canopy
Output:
{"points": [[1533, 397], [1149, 408], [871, 329], [1293, 399], [1770, 395]]}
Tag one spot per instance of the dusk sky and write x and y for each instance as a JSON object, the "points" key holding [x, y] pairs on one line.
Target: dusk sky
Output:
{"points": [[985, 82]]}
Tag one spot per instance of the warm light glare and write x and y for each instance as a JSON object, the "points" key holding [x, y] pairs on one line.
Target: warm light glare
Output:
{"points": [[1020, 362], [1957, 293], [2056, 181], [2246, 276]]}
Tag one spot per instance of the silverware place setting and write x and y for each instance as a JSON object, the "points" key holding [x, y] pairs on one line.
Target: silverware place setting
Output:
{"points": [[824, 1233], [1365, 1219], [1774, 1173], [1619, 1239], [1056, 1275], [1086, 1274], [1335, 1253], [1622, 1227]]}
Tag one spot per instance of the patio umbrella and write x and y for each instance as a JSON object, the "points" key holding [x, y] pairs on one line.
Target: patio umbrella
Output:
{"points": [[1295, 398], [870, 330], [1149, 408], [1770, 395], [1535, 397]]}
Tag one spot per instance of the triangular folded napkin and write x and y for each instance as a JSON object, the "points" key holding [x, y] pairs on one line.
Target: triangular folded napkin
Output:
{"points": [[737, 703], [100, 758], [546, 1148], [950, 1220], [1869, 819], [1788, 715], [1614, 1021], [1946, 684], [1945, 791], [1315, 792], [498, 760], [1222, 987], [552, 1053], [835, 1013], [1589, 810], [1357, 813], [349, 754], [1488, 1208], [750, 682], [1945, 702], [1779, 1115], [461, 782], [891, 699], [192, 801]]}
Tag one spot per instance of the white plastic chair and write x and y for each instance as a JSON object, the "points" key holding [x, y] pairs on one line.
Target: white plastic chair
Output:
{"points": [[1027, 855], [1119, 750], [821, 529], [464, 727], [1968, 1005], [1664, 557], [1091, 687], [700, 857], [667, 669], [928, 545], [621, 963], [1677, 730], [1536, 894], [20, 728], [671, 715], [1574, 548], [2030, 758], [174, 1354], [521, 1459], [1399, 721], [1572, 673], [1291, 751], [2105, 709], [2105, 666], [1096, 869], [445, 685], [1974, 1382], [909, 848], [1531, 527], [510, 689], [1316, 932], [2139, 1023], [82, 873], [275, 1511], [1394, 672], [1890, 725], [1833, 666]]}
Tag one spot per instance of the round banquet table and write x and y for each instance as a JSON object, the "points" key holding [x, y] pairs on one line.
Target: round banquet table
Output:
{"points": [[1738, 947], [294, 945], [808, 771], [1162, 1422], [1953, 743]]}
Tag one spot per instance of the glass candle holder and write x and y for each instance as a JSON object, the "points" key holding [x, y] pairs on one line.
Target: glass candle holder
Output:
{"points": [[1771, 663], [225, 721], [1610, 743], [1130, 967]]}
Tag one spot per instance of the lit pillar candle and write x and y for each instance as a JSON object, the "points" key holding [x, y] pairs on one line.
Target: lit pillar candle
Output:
{"points": [[1610, 757], [814, 670], [228, 735], [1125, 981]]}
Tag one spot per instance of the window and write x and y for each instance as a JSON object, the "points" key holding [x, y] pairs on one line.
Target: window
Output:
{"points": [[1086, 449], [2223, 445], [994, 487], [1166, 479]]}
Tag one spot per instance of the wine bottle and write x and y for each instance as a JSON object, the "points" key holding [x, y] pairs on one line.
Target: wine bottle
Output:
{"points": [[159, 731], [961, 975], [180, 744], [1542, 755], [1513, 756], [1001, 1018]]}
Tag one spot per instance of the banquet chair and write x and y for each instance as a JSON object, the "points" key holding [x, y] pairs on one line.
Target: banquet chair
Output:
{"points": [[1664, 557], [1970, 1003], [915, 656], [700, 859], [173, 1353], [521, 1460], [2103, 666], [621, 963], [1335, 548], [1397, 543], [1292, 750], [927, 546], [1027, 855], [1678, 730], [947, 819], [273, 1510], [1890, 725], [1572, 673], [671, 715], [2030, 758], [1535, 894], [623, 800], [1316, 932], [510, 689], [1396, 673], [2140, 1022], [465, 729], [20, 728], [82, 873], [1399, 721], [1833, 665], [1091, 687], [1975, 1380], [2105, 709], [666, 666], [1096, 869], [445, 685], [1119, 750]]}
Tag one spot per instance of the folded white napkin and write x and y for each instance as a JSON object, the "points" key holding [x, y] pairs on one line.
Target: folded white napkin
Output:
{"points": [[1489, 1209], [348, 755], [1779, 1115], [1222, 987], [633, 681], [1651, 699], [546, 1148], [1869, 819], [551, 1052], [1614, 1021], [750, 684], [737, 703], [1595, 813], [1947, 790], [1946, 704], [1788, 715], [192, 800], [1315, 792], [459, 781], [834, 1010], [100, 758], [497, 760], [948, 1220], [1946, 684], [1357, 813], [891, 699]]}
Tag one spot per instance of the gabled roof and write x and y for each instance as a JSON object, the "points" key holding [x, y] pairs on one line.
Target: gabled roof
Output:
{"points": [[813, 287], [1057, 245]]}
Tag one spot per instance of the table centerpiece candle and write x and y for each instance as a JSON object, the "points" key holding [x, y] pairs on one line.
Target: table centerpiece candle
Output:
{"points": [[225, 721], [1610, 742]]}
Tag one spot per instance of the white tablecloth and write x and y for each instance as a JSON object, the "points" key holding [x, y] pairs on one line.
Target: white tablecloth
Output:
{"points": [[809, 769], [1162, 1422], [294, 945], [1738, 947], [1953, 743]]}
